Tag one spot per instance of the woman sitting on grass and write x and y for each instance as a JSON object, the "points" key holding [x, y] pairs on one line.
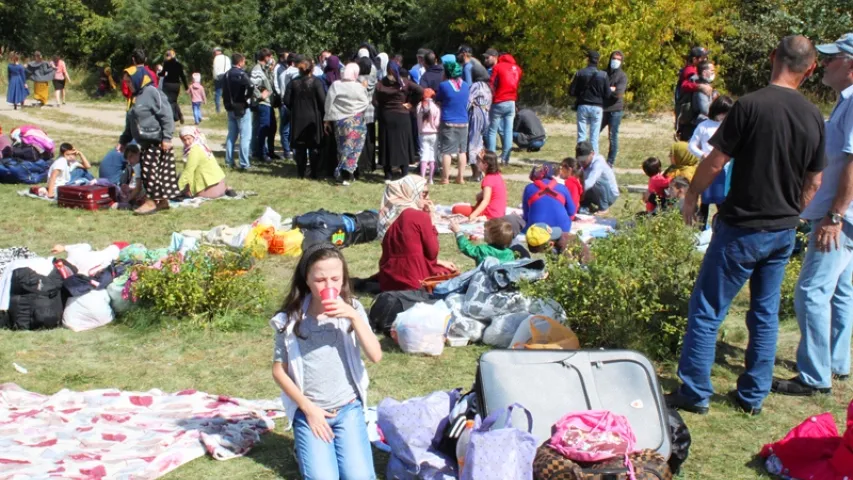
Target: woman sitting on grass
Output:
{"points": [[320, 334], [409, 238], [202, 175]]}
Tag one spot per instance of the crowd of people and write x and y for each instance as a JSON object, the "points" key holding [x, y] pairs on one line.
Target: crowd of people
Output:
{"points": [[791, 167]]}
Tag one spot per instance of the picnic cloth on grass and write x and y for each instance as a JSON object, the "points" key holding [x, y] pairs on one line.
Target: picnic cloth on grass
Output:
{"points": [[117, 434], [586, 227], [189, 202]]}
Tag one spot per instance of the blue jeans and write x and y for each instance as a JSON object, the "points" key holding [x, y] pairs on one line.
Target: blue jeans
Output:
{"points": [[589, 124], [284, 129], [217, 89], [612, 120], [197, 112], [264, 141], [522, 141], [501, 117], [734, 256], [823, 301], [348, 457], [241, 126]]}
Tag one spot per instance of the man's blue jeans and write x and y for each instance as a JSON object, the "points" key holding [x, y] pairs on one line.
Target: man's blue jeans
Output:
{"points": [[217, 89], [241, 126], [823, 301], [348, 456], [612, 120], [589, 125], [734, 256], [501, 117], [284, 129]]}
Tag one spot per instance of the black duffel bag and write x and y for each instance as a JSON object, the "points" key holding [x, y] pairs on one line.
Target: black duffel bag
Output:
{"points": [[36, 300], [388, 304], [366, 227]]}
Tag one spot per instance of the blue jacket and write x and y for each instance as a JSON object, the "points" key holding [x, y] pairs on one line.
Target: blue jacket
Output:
{"points": [[548, 210]]}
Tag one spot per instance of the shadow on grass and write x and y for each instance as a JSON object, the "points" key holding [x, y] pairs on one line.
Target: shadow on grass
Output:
{"points": [[287, 169], [757, 464], [726, 351], [277, 453]]}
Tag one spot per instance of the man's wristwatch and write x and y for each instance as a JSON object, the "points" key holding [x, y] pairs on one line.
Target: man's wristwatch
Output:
{"points": [[834, 218]]}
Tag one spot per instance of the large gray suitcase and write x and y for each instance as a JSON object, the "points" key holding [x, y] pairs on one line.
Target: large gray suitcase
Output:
{"points": [[553, 383]]}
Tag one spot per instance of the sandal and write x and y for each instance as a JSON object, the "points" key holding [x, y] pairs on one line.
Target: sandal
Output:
{"points": [[146, 209]]}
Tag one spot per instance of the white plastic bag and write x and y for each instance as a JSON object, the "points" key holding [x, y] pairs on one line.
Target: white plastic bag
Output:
{"points": [[422, 328], [87, 312], [270, 217]]}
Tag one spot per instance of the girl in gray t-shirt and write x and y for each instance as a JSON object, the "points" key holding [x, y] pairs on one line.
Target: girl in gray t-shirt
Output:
{"points": [[317, 364]]}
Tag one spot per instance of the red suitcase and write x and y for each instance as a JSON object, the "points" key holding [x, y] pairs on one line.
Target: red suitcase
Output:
{"points": [[87, 197]]}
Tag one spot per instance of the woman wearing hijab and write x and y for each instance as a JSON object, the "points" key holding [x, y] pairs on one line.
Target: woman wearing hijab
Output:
{"points": [[547, 201], [173, 76], [346, 102], [409, 238], [202, 175], [452, 97], [332, 71], [17, 90], [305, 98], [383, 64], [41, 73], [394, 99], [479, 101], [367, 76], [149, 122], [684, 163]]}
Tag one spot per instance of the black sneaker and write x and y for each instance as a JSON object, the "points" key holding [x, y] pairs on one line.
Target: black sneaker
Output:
{"points": [[739, 404], [275, 156], [840, 377], [796, 388], [676, 401], [230, 193]]}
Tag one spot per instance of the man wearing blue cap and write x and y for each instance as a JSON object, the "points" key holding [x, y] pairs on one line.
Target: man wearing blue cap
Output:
{"points": [[823, 299]]}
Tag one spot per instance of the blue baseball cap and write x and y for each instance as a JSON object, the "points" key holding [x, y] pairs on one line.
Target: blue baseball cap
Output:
{"points": [[842, 45]]}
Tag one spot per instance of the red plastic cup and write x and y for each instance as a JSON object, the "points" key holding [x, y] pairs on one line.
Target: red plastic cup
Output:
{"points": [[330, 293]]}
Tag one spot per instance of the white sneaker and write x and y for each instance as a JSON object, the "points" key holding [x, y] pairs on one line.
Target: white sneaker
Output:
{"points": [[346, 183]]}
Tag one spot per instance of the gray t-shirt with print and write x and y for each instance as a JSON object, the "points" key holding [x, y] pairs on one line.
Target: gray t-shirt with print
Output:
{"points": [[327, 381]]}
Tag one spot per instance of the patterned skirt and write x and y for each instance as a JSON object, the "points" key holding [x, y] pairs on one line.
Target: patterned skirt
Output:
{"points": [[158, 173], [350, 133]]}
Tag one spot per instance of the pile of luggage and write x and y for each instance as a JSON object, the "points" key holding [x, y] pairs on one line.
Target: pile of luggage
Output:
{"points": [[25, 156], [545, 415]]}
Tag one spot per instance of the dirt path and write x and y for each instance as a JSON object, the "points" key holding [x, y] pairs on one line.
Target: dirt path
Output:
{"points": [[112, 115]]}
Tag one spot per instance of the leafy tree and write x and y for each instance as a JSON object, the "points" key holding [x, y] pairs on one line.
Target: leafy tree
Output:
{"points": [[760, 25], [549, 38]]}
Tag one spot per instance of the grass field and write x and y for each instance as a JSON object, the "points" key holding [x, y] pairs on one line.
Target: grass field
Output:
{"points": [[238, 363]]}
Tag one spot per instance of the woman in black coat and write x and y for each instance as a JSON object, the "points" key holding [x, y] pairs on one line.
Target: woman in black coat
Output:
{"points": [[305, 98]]}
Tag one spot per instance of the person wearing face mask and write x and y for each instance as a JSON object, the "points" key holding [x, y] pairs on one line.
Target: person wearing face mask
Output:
{"points": [[614, 104], [702, 100], [320, 67], [264, 121]]}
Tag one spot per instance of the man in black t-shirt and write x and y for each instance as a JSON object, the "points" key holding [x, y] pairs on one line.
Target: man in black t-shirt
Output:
{"points": [[776, 138]]}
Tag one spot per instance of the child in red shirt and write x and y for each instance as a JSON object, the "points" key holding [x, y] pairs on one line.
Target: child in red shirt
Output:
{"points": [[656, 193], [572, 175], [491, 201]]}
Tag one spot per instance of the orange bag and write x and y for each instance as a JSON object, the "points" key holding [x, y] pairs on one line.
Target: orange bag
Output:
{"points": [[287, 243], [556, 337], [429, 283]]}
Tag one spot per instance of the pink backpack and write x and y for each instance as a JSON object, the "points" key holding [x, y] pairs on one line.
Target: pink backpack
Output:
{"points": [[594, 436]]}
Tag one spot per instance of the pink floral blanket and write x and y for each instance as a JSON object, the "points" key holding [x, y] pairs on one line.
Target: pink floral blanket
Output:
{"points": [[103, 434]]}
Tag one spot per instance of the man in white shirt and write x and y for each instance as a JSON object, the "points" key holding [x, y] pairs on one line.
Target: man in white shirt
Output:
{"points": [[221, 64], [320, 67], [283, 78]]}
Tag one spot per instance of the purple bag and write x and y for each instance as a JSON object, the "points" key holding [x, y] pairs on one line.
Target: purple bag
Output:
{"points": [[498, 454], [413, 429]]}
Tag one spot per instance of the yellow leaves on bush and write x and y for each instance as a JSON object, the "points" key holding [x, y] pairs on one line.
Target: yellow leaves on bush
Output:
{"points": [[549, 39]]}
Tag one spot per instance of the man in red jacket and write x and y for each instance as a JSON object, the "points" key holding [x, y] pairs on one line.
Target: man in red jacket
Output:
{"points": [[506, 77], [687, 86]]}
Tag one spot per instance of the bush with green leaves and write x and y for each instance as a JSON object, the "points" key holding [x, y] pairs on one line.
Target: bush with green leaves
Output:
{"points": [[206, 286], [634, 293]]}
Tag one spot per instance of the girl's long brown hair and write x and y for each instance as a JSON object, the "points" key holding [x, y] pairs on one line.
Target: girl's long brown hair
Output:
{"points": [[299, 290]]}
